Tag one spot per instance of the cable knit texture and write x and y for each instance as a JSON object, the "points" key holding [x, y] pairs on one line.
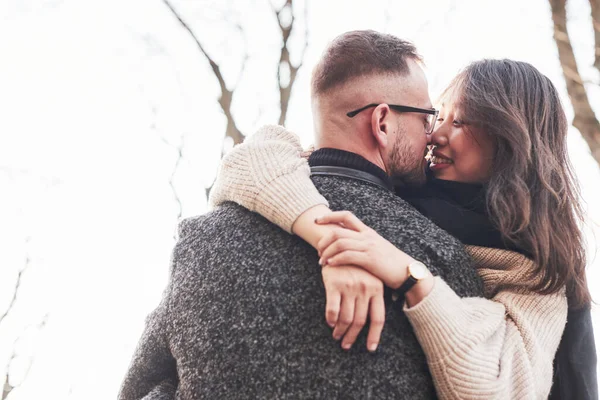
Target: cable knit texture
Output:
{"points": [[491, 349], [273, 176], [498, 347]]}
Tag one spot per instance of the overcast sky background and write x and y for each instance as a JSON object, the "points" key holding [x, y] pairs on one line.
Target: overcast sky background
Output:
{"points": [[94, 95]]}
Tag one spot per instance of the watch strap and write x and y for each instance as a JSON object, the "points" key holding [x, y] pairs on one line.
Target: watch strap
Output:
{"points": [[406, 286]]}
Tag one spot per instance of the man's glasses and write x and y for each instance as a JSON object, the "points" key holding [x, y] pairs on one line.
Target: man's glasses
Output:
{"points": [[432, 114]]}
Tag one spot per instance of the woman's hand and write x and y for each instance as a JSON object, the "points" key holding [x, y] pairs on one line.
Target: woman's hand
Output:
{"points": [[354, 243], [353, 294]]}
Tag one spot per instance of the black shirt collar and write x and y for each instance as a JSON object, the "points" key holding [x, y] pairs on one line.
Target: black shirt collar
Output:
{"points": [[342, 158]]}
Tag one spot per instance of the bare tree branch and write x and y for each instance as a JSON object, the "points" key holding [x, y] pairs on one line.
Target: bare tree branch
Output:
{"points": [[285, 88], [8, 387], [584, 117], [286, 71], [595, 6], [17, 283], [179, 150], [226, 97], [246, 55]]}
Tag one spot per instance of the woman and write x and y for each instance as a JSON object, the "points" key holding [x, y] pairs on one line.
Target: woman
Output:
{"points": [[500, 179]]}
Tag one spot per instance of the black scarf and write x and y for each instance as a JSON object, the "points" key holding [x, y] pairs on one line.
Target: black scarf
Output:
{"points": [[458, 208]]}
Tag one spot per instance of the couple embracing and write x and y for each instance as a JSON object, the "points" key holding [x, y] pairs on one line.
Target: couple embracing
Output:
{"points": [[372, 268]]}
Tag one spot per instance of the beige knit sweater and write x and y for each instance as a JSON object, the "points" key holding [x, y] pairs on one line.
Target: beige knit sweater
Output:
{"points": [[498, 347]]}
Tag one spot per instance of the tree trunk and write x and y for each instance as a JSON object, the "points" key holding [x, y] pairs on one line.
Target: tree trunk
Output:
{"points": [[584, 118], [595, 5]]}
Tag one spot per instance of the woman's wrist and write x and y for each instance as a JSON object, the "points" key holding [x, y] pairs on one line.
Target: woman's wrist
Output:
{"points": [[420, 290], [307, 229], [401, 274]]}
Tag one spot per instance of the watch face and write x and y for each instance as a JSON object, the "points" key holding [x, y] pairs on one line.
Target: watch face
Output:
{"points": [[417, 270]]}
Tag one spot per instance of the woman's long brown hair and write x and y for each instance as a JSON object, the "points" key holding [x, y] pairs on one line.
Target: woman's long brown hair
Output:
{"points": [[532, 196]]}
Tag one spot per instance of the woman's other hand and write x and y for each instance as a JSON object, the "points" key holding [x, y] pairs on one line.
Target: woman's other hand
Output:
{"points": [[354, 243], [353, 295]]}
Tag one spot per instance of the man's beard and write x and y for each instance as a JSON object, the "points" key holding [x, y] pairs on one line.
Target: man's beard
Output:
{"points": [[406, 167]]}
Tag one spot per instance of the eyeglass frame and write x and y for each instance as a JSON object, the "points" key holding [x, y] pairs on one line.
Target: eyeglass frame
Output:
{"points": [[398, 108]]}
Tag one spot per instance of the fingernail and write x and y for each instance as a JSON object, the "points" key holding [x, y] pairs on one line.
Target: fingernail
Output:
{"points": [[331, 324], [373, 347], [317, 220], [346, 346], [337, 337], [320, 261]]}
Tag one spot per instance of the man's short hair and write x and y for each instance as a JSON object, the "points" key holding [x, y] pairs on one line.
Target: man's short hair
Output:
{"points": [[360, 53]]}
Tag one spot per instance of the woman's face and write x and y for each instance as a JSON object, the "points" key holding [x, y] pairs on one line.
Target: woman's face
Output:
{"points": [[462, 153]]}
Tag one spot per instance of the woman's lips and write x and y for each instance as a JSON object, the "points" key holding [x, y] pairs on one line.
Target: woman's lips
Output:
{"points": [[435, 153], [439, 161], [437, 167]]}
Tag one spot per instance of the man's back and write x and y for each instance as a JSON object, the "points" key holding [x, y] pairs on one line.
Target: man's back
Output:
{"points": [[243, 316]]}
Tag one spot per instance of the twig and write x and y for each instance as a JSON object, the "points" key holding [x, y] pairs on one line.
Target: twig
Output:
{"points": [[285, 90], [18, 282], [179, 152], [8, 387]]}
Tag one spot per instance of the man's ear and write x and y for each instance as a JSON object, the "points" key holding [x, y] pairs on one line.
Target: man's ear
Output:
{"points": [[380, 124]]}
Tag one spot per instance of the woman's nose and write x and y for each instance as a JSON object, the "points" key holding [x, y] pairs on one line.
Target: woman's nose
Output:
{"points": [[439, 137]]}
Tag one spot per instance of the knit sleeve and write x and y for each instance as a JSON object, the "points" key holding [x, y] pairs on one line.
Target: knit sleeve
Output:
{"points": [[268, 175], [497, 348]]}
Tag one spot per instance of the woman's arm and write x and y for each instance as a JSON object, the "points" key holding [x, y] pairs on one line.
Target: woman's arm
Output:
{"points": [[354, 243], [500, 347], [266, 174]]}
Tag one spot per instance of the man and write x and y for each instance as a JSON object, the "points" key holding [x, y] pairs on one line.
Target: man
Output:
{"points": [[242, 314]]}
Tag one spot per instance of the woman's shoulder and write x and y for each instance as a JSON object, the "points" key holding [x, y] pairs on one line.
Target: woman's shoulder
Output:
{"points": [[500, 259], [503, 269]]}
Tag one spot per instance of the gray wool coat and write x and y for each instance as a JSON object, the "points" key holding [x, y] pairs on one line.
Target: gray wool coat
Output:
{"points": [[243, 314]]}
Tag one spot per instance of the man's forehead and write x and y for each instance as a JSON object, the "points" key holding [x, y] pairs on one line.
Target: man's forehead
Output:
{"points": [[412, 88]]}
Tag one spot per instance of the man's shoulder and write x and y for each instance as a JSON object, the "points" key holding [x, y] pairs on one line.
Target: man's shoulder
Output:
{"points": [[367, 199]]}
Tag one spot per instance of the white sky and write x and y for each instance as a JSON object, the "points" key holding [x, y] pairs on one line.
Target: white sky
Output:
{"points": [[89, 90]]}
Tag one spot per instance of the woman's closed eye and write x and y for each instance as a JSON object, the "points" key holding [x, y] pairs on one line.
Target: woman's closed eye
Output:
{"points": [[456, 122]]}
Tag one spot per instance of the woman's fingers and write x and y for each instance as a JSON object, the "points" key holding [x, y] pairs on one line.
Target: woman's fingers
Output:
{"points": [[352, 296], [361, 309], [345, 318], [332, 236], [345, 218], [340, 246], [351, 257], [332, 307], [377, 320]]}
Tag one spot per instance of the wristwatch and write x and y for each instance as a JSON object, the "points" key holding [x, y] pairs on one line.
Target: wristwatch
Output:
{"points": [[416, 271]]}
